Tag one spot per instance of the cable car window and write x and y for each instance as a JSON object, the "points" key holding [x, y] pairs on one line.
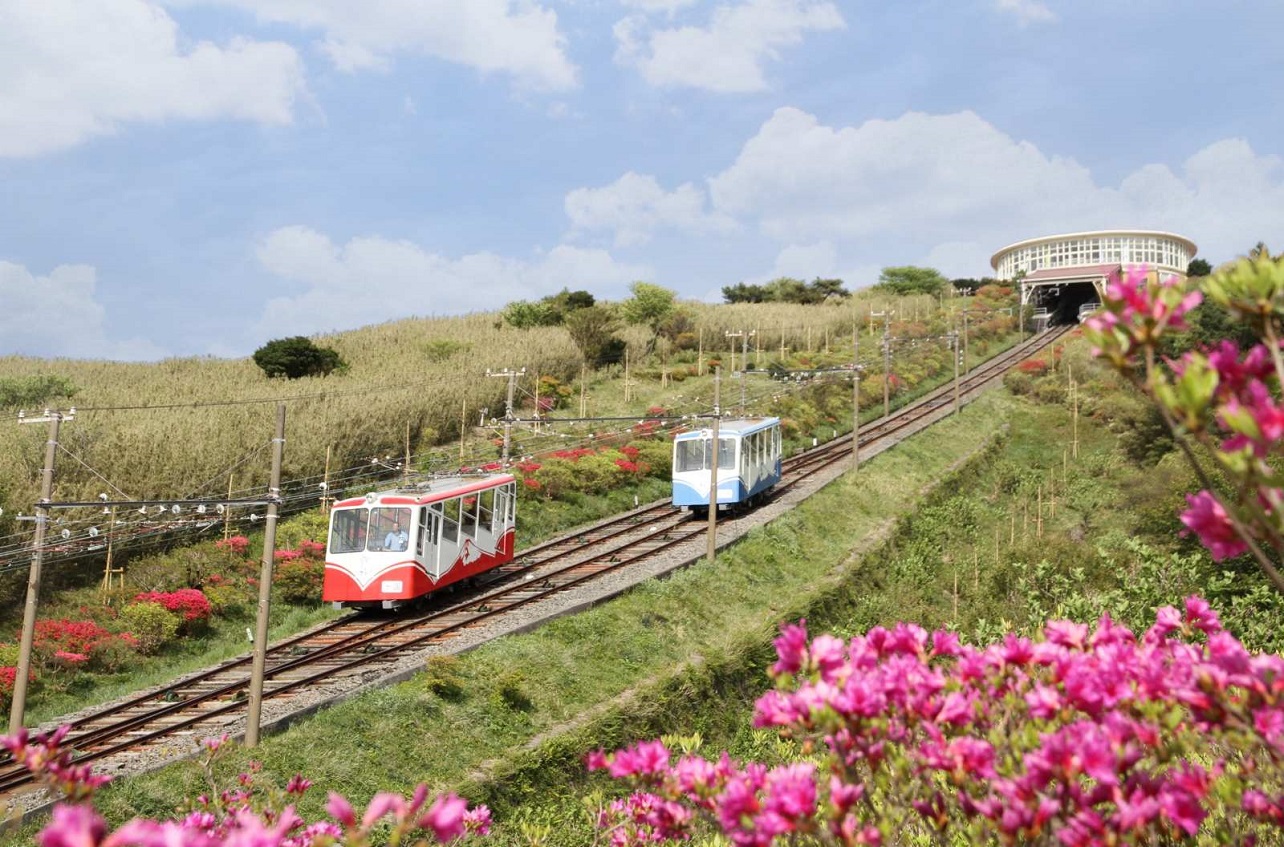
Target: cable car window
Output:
{"points": [[470, 505], [348, 530], [486, 507], [389, 529], [450, 521], [726, 453], [691, 455], [429, 518]]}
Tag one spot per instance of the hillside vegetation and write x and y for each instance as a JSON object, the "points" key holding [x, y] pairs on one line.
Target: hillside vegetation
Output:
{"points": [[183, 427]]}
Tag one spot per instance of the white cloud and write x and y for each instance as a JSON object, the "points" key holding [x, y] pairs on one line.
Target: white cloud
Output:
{"points": [[1027, 11], [635, 206], [728, 55], [952, 189], [73, 70], [806, 261], [669, 7], [57, 315], [519, 38], [373, 279], [920, 176]]}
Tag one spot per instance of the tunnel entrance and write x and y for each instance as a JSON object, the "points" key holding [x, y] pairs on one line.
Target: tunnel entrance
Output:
{"points": [[1065, 303], [1063, 296]]}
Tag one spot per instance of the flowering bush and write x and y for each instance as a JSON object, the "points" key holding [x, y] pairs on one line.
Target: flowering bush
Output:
{"points": [[248, 814], [1033, 366], [62, 644], [190, 604], [1223, 398], [1085, 737], [312, 549], [298, 580], [237, 544]]}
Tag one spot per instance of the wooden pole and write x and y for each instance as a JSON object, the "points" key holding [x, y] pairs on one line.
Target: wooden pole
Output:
{"points": [[1038, 521], [28, 636], [855, 399], [325, 484], [583, 384], [265, 585], [712, 541], [463, 426], [227, 512]]}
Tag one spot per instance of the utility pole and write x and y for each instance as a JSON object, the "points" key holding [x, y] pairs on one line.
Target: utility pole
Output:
{"points": [[965, 367], [265, 584], [744, 335], [954, 343], [886, 315], [855, 397], [511, 376], [325, 482], [405, 467], [463, 427], [23, 671], [712, 547], [729, 334]]}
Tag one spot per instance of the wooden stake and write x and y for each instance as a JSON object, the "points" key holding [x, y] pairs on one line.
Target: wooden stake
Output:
{"points": [[1038, 523]]}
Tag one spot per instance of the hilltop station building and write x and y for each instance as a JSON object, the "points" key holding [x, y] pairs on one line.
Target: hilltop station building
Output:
{"points": [[1064, 276]]}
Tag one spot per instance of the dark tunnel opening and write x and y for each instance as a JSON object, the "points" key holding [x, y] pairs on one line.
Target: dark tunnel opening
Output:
{"points": [[1067, 303]]}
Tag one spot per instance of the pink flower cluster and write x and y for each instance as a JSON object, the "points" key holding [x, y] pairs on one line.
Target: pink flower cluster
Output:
{"points": [[1224, 397], [1138, 307], [1089, 736], [245, 815], [191, 603]]}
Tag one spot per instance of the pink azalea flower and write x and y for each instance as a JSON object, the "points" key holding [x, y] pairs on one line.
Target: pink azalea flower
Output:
{"points": [[1207, 518], [445, 817]]}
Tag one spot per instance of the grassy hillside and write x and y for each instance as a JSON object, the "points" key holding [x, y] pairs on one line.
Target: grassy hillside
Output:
{"points": [[421, 379]]}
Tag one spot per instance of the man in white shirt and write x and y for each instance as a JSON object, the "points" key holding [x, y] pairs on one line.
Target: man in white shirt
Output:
{"points": [[396, 539]]}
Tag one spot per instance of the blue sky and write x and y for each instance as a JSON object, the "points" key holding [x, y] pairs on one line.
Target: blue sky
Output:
{"points": [[196, 177]]}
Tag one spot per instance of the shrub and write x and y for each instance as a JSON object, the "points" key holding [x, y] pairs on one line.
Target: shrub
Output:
{"points": [[308, 526], [442, 677], [510, 690], [299, 580], [151, 624], [8, 654]]}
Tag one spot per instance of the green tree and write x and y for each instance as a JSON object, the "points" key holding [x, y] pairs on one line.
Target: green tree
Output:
{"points": [[786, 289], [1198, 267], [566, 301], [823, 289], [908, 279], [296, 357], [650, 305], [593, 331], [743, 293]]}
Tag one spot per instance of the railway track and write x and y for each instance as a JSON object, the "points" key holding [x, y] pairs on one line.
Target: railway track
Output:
{"points": [[359, 647]]}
